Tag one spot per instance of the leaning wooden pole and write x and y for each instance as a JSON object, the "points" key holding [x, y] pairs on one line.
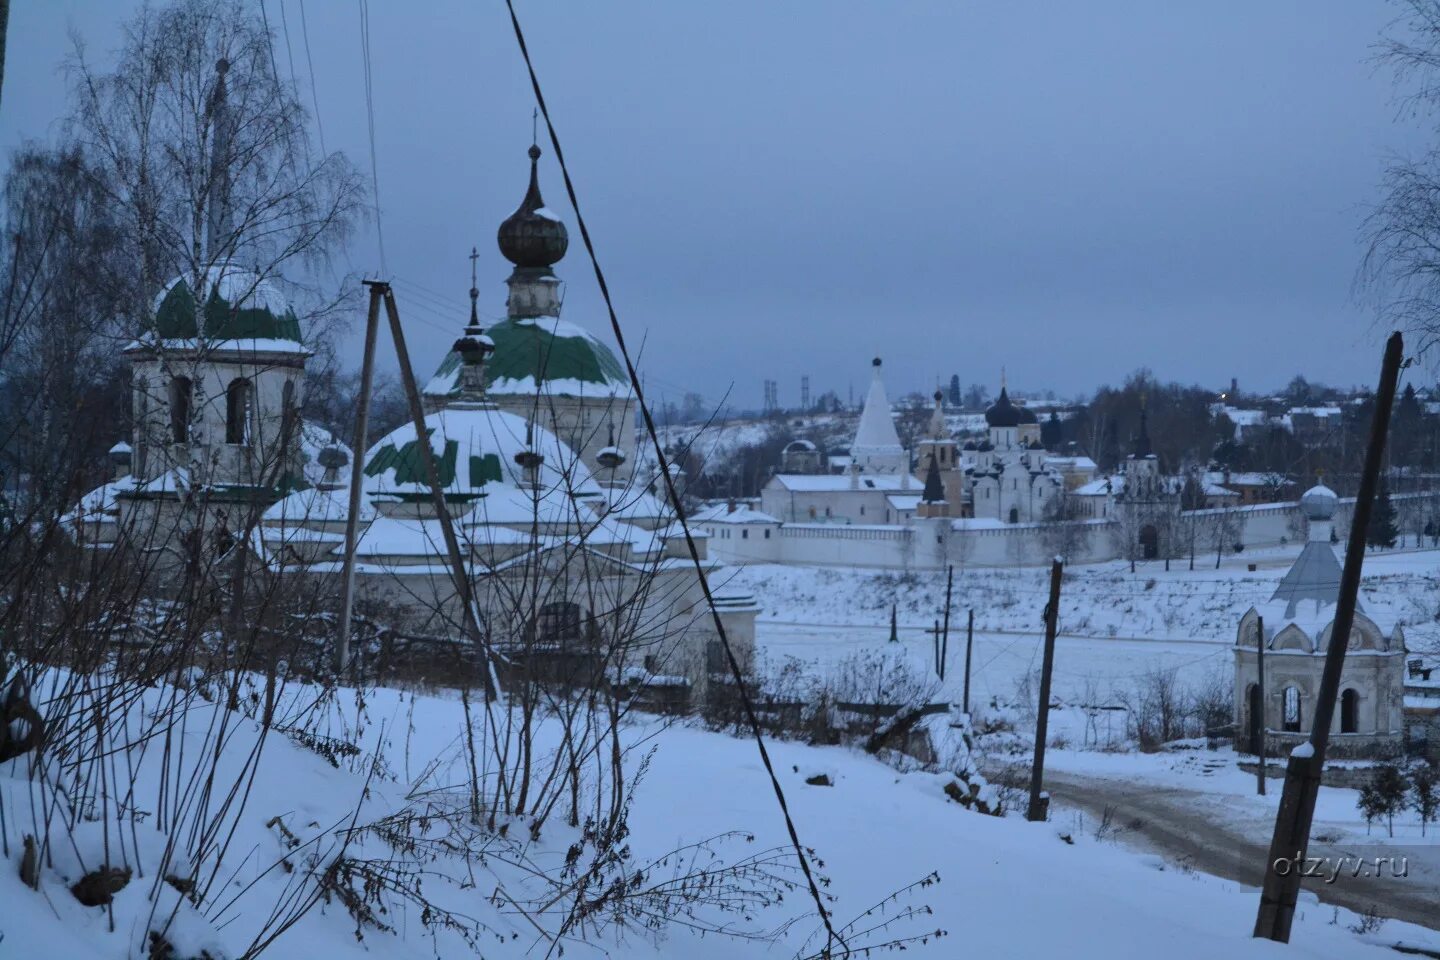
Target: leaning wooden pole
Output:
{"points": [[357, 474], [1039, 802], [969, 645], [1260, 696], [945, 637], [1302, 774], [458, 572]]}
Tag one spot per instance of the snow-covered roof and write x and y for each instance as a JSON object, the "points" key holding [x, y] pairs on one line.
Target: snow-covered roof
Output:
{"points": [[1244, 417], [540, 355], [209, 346], [721, 513], [819, 483], [1100, 486], [237, 303], [1078, 463], [1248, 479], [633, 502], [1115, 483], [903, 501], [174, 480], [313, 505], [99, 506], [1314, 576], [475, 447]]}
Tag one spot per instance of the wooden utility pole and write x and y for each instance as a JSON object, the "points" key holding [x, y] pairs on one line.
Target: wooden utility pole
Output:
{"points": [[1039, 800], [1258, 722], [357, 472], [458, 572], [969, 644], [945, 637], [1302, 773]]}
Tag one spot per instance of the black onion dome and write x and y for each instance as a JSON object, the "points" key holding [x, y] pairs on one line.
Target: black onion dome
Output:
{"points": [[1003, 413], [1027, 415], [532, 237]]}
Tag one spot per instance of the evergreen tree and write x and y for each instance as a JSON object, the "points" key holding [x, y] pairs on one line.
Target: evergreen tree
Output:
{"points": [[1425, 794], [956, 398], [1052, 432], [1391, 790], [1406, 428], [1383, 530], [1371, 805]]}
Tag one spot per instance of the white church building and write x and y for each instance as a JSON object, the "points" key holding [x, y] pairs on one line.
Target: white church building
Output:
{"points": [[529, 427]]}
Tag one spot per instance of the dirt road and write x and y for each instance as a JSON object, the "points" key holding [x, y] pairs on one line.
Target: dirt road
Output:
{"points": [[1165, 820]]}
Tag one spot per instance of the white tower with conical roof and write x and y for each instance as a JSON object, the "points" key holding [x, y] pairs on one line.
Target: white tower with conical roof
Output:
{"points": [[877, 446]]}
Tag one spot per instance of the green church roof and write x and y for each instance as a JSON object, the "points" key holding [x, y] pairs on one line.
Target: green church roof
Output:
{"points": [[241, 306], [410, 469], [545, 354]]}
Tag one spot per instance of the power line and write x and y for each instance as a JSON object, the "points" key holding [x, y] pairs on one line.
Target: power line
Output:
{"points": [[370, 120], [310, 63], [736, 672]]}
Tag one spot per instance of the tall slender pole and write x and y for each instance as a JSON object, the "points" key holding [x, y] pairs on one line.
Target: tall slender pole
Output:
{"points": [[969, 644], [1039, 801], [945, 637], [1259, 720], [1302, 773], [357, 469], [935, 638], [458, 572]]}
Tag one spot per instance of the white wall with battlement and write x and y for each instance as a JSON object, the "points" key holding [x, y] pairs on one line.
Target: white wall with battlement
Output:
{"points": [[935, 543]]}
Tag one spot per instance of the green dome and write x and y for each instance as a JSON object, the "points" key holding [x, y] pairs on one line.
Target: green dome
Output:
{"points": [[545, 354], [241, 306]]}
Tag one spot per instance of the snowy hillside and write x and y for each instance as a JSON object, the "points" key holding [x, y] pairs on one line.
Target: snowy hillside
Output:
{"points": [[368, 837]]}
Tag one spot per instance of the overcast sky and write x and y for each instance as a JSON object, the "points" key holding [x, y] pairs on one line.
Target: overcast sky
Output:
{"points": [[1069, 191]]}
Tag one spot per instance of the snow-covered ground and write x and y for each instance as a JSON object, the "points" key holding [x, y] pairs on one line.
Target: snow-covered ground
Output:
{"points": [[1097, 600], [1006, 887], [876, 830], [1090, 674]]}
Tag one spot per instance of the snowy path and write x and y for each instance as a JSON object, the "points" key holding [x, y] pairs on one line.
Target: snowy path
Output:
{"points": [[1169, 821]]}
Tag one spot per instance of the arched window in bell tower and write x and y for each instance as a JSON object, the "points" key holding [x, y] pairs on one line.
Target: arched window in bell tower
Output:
{"points": [[238, 411], [182, 392]]}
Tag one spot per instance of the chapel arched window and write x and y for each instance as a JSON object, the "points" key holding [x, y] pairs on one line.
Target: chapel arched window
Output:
{"points": [[238, 411]]}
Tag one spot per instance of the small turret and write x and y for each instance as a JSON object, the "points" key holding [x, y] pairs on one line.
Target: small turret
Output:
{"points": [[333, 458], [529, 459], [473, 348], [610, 456], [120, 457]]}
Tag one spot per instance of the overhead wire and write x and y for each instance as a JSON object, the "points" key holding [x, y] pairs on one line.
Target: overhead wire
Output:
{"points": [[833, 937], [310, 64], [370, 122]]}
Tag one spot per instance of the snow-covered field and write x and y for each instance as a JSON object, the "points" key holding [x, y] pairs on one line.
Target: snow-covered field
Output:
{"points": [[1097, 600], [1116, 628], [1007, 888]]}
